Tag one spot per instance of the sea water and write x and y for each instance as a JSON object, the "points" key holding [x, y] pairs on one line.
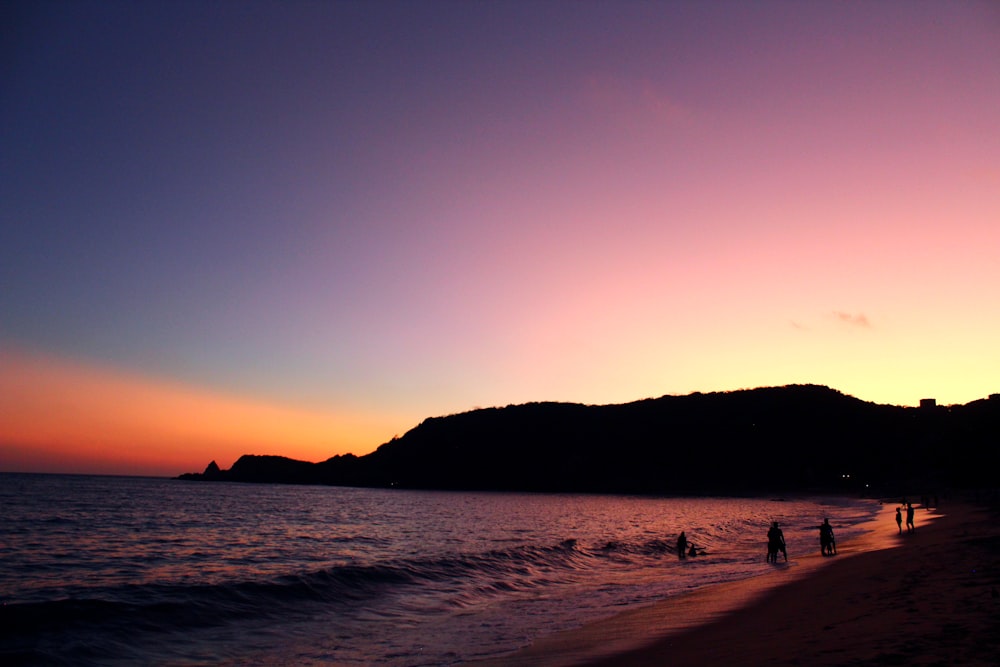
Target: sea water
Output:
{"points": [[119, 570]]}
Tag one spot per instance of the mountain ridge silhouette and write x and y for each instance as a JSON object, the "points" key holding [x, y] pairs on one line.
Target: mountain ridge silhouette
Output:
{"points": [[795, 438]]}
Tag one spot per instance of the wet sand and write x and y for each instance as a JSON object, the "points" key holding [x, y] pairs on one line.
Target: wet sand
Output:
{"points": [[926, 598]]}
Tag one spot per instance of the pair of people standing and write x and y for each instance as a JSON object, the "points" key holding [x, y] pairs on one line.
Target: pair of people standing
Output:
{"points": [[827, 543], [776, 541]]}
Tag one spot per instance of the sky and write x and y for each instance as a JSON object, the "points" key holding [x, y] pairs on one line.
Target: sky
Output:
{"points": [[300, 228]]}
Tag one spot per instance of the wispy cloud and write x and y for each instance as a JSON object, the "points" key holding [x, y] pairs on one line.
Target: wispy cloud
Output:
{"points": [[859, 320], [641, 100]]}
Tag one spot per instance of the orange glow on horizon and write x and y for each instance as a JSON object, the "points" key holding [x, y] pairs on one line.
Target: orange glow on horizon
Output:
{"points": [[64, 416]]}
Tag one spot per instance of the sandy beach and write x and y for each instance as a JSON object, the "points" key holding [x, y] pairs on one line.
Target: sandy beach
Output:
{"points": [[925, 598]]}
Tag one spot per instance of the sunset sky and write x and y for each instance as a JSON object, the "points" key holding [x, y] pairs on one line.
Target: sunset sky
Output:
{"points": [[300, 228]]}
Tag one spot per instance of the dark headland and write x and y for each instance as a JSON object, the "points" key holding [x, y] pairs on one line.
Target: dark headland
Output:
{"points": [[776, 439]]}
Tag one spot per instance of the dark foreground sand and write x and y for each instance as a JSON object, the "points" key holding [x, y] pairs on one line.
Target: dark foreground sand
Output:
{"points": [[930, 598]]}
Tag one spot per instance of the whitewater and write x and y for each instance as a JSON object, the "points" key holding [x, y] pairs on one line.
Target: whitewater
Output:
{"points": [[120, 570]]}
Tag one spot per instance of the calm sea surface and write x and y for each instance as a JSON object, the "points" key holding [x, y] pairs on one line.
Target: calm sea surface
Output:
{"points": [[118, 570]]}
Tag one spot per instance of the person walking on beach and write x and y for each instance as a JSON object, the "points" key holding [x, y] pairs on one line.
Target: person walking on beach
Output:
{"points": [[682, 545], [909, 518], [899, 521], [775, 543]]}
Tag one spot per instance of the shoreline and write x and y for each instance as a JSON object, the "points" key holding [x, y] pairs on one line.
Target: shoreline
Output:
{"points": [[884, 599]]}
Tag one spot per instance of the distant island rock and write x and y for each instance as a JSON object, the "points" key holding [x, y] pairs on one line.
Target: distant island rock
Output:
{"points": [[793, 438]]}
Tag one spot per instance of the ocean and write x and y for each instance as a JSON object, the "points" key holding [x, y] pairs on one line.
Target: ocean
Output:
{"points": [[122, 571]]}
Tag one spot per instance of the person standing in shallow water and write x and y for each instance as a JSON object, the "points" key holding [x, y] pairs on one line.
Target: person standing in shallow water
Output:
{"points": [[909, 518], [827, 544], [682, 544], [775, 543], [899, 521]]}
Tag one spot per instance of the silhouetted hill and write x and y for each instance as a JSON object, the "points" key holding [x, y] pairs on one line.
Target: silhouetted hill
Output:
{"points": [[800, 437]]}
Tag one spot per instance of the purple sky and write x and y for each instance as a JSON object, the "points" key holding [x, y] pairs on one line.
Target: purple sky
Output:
{"points": [[402, 209]]}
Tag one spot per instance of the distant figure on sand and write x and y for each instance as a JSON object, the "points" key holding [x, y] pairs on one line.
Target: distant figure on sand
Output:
{"points": [[682, 545], [775, 543], [899, 521], [827, 545], [909, 518]]}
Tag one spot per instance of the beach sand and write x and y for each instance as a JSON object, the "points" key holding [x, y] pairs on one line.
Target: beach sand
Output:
{"points": [[926, 598]]}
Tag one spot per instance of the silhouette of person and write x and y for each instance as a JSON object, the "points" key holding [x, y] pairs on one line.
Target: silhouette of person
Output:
{"points": [[827, 545], [775, 543], [909, 518], [682, 545], [899, 521]]}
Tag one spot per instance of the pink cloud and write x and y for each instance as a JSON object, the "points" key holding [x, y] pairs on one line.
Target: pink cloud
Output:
{"points": [[859, 320]]}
